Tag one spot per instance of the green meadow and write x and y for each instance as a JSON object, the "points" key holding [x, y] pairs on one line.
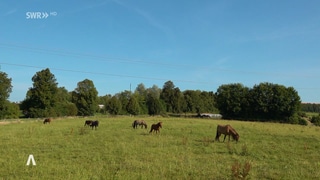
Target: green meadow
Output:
{"points": [[184, 149]]}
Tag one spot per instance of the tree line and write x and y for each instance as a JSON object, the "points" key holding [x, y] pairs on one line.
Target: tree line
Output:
{"points": [[310, 107], [263, 102]]}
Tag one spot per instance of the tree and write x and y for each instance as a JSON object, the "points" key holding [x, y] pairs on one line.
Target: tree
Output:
{"points": [[207, 101], [153, 104], [231, 100], [192, 100], [102, 100], [153, 101], [5, 90], [42, 97], [273, 101], [133, 106], [140, 94], [263, 102], [85, 97], [64, 106], [124, 97], [5, 87], [113, 106], [171, 96]]}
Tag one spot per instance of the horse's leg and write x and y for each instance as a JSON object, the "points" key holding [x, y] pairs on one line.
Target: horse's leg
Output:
{"points": [[224, 137], [219, 137]]}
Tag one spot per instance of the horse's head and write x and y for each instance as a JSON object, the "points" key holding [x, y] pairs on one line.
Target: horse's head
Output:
{"points": [[235, 136], [160, 124]]}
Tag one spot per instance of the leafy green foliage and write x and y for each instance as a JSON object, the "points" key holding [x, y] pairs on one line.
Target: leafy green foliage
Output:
{"points": [[5, 87], [133, 106], [6, 109], [310, 107], [316, 120], [43, 96], [170, 95], [263, 102], [10, 110], [154, 105], [232, 101], [85, 97], [114, 106]]}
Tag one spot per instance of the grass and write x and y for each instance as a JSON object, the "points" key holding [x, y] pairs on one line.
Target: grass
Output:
{"points": [[184, 149]]}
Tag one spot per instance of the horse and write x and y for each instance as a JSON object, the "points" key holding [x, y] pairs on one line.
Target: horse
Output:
{"points": [[88, 122], [227, 130], [156, 127], [94, 124], [140, 123], [47, 120]]}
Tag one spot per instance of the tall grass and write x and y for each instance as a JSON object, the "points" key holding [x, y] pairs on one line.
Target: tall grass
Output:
{"points": [[184, 149]]}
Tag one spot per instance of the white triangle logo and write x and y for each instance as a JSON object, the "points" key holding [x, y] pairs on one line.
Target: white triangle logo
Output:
{"points": [[31, 158]]}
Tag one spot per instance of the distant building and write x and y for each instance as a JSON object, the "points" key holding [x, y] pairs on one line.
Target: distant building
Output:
{"points": [[209, 115]]}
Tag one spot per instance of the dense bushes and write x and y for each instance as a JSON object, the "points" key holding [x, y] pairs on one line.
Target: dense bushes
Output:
{"points": [[263, 102], [316, 120]]}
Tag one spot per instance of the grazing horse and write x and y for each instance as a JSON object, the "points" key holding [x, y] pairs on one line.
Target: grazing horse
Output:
{"points": [[94, 124], [88, 122], [227, 130], [156, 127], [140, 123], [47, 120]]}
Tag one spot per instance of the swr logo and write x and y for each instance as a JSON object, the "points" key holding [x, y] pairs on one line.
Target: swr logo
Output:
{"points": [[36, 15]]}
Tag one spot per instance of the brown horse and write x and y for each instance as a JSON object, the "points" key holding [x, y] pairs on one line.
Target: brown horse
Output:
{"points": [[47, 120], [140, 123], [227, 130], [88, 122], [156, 127]]}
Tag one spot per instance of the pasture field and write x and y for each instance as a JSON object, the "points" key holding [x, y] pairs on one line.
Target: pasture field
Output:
{"points": [[184, 149]]}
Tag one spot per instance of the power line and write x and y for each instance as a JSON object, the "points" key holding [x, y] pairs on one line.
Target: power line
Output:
{"points": [[60, 52], [105, 74]]}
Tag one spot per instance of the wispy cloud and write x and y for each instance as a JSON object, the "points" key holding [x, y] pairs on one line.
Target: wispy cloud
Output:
{"points": [[147, 16], [10, 12], [276, 34]]}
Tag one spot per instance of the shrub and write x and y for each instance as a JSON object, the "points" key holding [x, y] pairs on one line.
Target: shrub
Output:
{"points": [[316, 120], [238, 173]]}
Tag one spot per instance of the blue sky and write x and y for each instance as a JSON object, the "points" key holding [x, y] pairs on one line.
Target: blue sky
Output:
{"points": [[198, 45]]}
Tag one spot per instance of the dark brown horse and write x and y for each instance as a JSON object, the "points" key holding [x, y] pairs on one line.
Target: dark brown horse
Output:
{"points": [[140, 123], [227, 130], [47, 120], [94, 124], [88, 122], [156, 127]]}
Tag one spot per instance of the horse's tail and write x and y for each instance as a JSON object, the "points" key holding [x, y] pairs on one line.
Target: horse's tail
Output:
{"points": [[217, 134]]}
